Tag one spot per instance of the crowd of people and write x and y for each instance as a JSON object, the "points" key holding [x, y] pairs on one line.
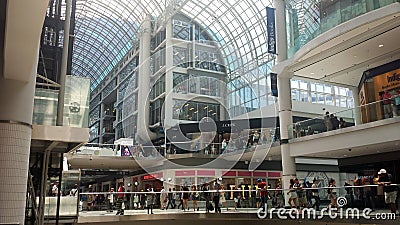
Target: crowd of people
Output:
{"points": [[215, 196]]}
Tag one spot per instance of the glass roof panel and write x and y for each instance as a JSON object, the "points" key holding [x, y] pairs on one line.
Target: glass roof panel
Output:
{"points": [[105, 30]]}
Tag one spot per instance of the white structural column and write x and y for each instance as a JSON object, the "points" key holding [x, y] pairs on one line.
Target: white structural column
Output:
{"points": [[169, 64], [356, 111], [143, 133], [284, 98], [20, 29], [16, 99]]}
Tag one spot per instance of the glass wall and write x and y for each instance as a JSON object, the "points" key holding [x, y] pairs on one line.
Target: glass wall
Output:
{"points": [[155, 111], [194, 111], [250, 91], [76, 105], [45, 107], [202, 85], [307, 19], [158, 87], [326, 94], [181, 30]]}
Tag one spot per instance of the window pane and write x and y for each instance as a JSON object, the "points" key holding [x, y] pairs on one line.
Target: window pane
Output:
{"points": [[295, 95], [304, 85], [294, 84], [304, 96]]}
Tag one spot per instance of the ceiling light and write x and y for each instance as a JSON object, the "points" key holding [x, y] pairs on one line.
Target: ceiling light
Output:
{"points": [[344, 155], [191, 108], [312, 73], [380, 46]]}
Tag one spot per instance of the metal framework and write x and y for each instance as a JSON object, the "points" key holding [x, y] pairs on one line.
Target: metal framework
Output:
{"points": [[106, 29]]}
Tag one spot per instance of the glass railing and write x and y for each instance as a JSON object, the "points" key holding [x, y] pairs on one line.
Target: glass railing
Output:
{"points": [[319, 199], [76, 105], [238, 143], [374, 111]]}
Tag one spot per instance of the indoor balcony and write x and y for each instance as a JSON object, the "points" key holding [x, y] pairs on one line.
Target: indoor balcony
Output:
{"points": [[366, 130]]}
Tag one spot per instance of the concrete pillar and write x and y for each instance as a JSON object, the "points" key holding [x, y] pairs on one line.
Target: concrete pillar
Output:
{"points": [[284, 98], [285, 120], [280, 30], [168, 104], [143, 133], [356, 111], [20, 29], [16, 100]]}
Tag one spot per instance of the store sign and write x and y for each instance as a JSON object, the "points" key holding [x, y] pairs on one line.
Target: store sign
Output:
{"points": [[387, 81], [393, 78], [271, 30]]}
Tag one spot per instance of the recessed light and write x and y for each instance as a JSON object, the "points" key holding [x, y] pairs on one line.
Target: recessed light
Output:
{"points": [[312, 73], [380, 46]]}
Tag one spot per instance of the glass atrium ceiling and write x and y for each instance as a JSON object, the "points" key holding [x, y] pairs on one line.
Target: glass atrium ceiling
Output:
{"points": [[107, 29]]}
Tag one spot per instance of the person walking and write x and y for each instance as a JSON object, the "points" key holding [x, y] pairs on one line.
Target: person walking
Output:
{"points": [[120, 199], [171, 200], [332, 194], [163, 199], [206, 195], [150, 199], [292, 194], [262, 186], [327, 122], [390, 191], [222, 198], [315, 194], [110, 199], [216, 197], [179, 198], [185, 197], [195, 197]]}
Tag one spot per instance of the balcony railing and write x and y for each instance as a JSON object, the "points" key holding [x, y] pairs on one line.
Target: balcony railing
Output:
{"points": [[366, 113]]}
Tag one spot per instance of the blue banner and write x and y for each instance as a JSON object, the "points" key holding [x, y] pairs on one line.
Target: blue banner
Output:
{"points": [[271, 30]]}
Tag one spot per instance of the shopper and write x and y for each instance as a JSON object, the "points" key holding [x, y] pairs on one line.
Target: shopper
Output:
{"points": [[171, 199], [216, 197], [185, 197], [110, 198], [150, 199], [163, 198], [315, 194], [262, 186], [332, 194], [387, 104], [292, 194], [195, 197], [327, 122], [206, 195], [390, 191], [120, 199]]}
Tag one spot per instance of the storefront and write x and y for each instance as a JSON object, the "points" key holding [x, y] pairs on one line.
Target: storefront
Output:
{"points": [[372, 86]]}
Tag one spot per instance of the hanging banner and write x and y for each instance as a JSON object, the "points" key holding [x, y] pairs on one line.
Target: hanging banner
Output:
{"points": [[271, 30], [274, 84]]}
